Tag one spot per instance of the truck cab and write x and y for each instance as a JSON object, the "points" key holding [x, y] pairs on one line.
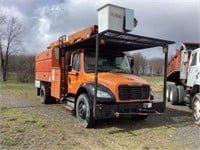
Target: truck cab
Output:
{"points": [[90, 73], [194, 69], [114, 75]]}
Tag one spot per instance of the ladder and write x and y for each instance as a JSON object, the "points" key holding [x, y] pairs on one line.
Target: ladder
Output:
{"points": [[62, 50]]}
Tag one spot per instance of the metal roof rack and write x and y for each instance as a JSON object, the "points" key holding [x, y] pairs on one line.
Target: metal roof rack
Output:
{"points": [[120, 41]]}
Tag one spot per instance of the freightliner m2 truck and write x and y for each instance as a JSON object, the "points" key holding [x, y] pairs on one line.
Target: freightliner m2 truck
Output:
{"points": [[89, 72], [184, 71]]}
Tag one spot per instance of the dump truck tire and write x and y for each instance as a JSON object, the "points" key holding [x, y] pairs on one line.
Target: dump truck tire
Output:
{"points": [[84, 111], [196, 108], [173, 95], [167, 92], [44, 94], [181, 94]]}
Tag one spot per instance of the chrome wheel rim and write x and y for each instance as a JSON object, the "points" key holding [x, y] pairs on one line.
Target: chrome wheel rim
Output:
{"points": [[196, 109]]}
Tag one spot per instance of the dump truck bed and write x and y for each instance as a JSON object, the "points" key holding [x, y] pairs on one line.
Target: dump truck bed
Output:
{"points": [[174, 70], [173, 67]]}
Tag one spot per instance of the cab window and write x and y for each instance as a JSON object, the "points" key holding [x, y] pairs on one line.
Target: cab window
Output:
{"points": [[76, 62], [194, 59]]}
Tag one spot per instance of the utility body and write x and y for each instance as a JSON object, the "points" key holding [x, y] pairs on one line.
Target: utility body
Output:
{"points": [[184, 71]]}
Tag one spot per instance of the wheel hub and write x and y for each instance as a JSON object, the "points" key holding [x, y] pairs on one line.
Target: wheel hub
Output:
{"points": [[196, 110], [82, 110]]}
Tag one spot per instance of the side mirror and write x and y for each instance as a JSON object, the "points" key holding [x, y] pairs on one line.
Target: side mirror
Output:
{"points": [[185, 59]]}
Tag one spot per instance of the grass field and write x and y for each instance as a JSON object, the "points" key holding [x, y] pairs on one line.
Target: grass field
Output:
{"points": [[36, 126], [18, 90], [156, 83], [27, 90]]}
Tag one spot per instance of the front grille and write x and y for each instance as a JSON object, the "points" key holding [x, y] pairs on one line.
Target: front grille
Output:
{"points": [[133, 92]]}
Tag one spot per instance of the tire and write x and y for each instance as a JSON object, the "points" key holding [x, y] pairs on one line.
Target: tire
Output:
{"points": [[196, 108], [44, 94], [139, 117], [167, 92], [181, 94], [173, 96], [84, 111]]}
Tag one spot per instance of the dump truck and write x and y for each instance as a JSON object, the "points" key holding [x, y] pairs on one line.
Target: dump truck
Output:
{"points": [[89, 73], [184, 71]]}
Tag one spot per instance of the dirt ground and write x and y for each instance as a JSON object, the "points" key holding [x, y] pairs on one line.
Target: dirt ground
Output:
{"points": [[27, 124]]}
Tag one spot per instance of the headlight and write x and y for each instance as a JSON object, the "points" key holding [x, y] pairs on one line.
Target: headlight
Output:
{"points": [[102, 91], [103, 94]]}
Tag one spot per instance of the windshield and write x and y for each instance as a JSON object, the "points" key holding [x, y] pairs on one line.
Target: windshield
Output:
{"points": [[107, 62]]}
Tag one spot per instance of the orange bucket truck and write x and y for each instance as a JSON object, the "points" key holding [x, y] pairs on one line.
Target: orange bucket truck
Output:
{"points": [[90, 74]]}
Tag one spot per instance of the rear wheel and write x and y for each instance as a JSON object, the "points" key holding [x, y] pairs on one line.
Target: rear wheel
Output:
{"points": [[44, 94], [181, 94], [84, 111], [167, 92], [196, 108], [173, 96]]}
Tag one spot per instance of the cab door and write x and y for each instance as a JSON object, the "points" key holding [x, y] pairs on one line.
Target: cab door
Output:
{"points": [[74, 76], [193, 71]]}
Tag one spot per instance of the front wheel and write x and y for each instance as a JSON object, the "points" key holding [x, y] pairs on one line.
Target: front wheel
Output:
{"points": [[84, 111], [196, 108]]}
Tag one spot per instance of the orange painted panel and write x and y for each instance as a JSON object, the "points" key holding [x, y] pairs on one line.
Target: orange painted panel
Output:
{"points": [[43, 66], [83, 34], [43, 76], [174, 63], [47, 54], [55, 82], [44, 62]]}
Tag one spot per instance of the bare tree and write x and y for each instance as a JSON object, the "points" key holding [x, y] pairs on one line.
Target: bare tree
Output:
{"points": [[156, 66], [140, 64], [10, 30], [25, 68]]}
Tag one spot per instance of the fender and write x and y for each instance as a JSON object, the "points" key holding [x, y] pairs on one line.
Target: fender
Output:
{"points": [[89, 89]]}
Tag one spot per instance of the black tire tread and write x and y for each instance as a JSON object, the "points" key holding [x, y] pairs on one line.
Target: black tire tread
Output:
{"points": [[45, 97], [86, 123]]}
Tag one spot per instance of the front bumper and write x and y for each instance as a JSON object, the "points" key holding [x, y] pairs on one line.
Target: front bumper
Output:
{"points": [[118, 110]]}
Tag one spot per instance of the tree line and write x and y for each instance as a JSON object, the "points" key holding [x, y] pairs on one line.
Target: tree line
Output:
{"points": [[21, 68], [143, 66]]}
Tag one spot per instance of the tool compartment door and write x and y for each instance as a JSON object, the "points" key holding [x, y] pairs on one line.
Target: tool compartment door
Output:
{"points": [[56, 82]]}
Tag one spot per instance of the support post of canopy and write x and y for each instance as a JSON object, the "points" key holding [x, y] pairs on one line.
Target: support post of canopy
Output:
{"points": [[165, 50], [96, 76]]}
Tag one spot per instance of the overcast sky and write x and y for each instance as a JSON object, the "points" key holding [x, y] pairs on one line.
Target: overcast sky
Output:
{"points": [[45, 20]]}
